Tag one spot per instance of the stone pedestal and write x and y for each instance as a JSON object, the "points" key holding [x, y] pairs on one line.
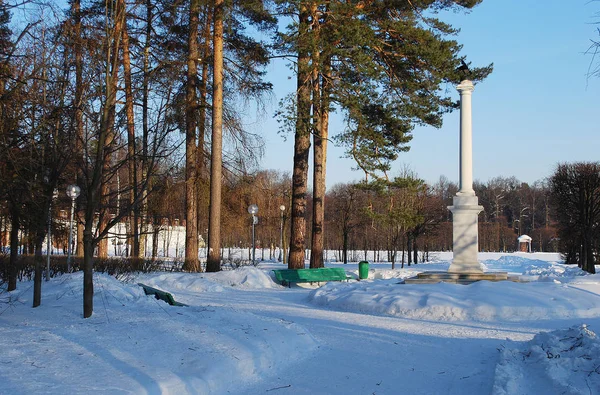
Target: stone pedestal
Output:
{"points": [[459, 278], [465, 234]]}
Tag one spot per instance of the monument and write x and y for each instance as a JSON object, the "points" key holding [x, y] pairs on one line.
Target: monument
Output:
{"points": [[465, 267], [465, 208]]}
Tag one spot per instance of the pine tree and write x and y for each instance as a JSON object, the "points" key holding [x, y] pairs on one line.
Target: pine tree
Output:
{"points": [[382, 63], [241, 78], [213, 263], [191, 105]]}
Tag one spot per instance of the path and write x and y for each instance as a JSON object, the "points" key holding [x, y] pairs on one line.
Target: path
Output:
{"points": [[407, 359]]}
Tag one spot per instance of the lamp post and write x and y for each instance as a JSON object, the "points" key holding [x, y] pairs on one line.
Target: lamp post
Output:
{"points": [[282, 208], [253, 210], [49, 240], [73, 192]]}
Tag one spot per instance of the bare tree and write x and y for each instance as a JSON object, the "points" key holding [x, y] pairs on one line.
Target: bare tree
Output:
{"points": [[575, 195]]}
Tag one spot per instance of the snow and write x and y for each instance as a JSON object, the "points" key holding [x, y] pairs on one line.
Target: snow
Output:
{"points": [[555, 356], [242, 333], [524, 239]]}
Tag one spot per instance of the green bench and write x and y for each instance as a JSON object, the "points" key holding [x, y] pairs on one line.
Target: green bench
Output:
{"points": [[160, 295], [322, 274]]}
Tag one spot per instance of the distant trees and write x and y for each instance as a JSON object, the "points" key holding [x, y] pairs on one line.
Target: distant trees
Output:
{"points": [[343, 214], [408, 215], [575, 197], [373, 217]]}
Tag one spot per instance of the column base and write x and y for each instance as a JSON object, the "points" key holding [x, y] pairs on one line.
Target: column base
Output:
{"points": [[465, 268], [458, 278], [465, 210]]}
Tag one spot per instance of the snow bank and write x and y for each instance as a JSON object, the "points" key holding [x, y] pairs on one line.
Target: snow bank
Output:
{"points": [[134, 343], [560, 362], [532, 269], [245, 278], [481, 301]]}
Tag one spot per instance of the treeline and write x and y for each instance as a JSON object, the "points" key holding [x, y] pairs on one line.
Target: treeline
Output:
{"points": [[401, 217], [560, 214]]}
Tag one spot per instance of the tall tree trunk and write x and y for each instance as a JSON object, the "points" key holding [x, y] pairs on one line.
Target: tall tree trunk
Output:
{"points": [[191, 229], [588, 261], [13, 270], [114, 45], [79, 226], [88, 264], [322, 89], [39, 263], [409, 248], [110, 133], [131, 149], [301, 147], [142, 210], [345, 246], [415, 251], [213, 263], [78, 49], [155, 233], [316, 250], [403, 252], [105, 137], [285, 240], [202, 178]]}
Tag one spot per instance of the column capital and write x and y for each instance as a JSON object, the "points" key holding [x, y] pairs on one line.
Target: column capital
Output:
{"points": [[465, 86]]}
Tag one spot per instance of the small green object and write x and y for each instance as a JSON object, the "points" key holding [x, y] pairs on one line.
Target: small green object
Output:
{"points": [[363, 270]]}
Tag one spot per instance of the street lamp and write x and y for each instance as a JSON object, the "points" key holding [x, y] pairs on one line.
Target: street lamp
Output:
{"points": [[253, 210], [49, 239], [73, 192], [282, 208]]}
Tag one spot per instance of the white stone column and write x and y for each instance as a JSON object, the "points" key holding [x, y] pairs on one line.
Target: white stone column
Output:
{"points": [[465, 208], [466, 139]]}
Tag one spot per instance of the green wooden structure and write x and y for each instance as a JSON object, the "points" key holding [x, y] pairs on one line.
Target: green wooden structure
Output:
{"points": [[160, 295], [289, 276]]}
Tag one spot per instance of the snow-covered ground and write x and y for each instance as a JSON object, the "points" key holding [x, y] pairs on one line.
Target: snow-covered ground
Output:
{"points": [[242, 333]]}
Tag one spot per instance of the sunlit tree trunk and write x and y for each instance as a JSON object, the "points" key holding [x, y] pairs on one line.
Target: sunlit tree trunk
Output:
{"points": [[321, 90], [213, 263], [301, 147], [131, 149], [143, 209], [191, 229], [78, 49], [318, 217], [202, 178]]}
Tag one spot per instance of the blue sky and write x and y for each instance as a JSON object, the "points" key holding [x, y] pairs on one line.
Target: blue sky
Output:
{"points": [[536, 109]]}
